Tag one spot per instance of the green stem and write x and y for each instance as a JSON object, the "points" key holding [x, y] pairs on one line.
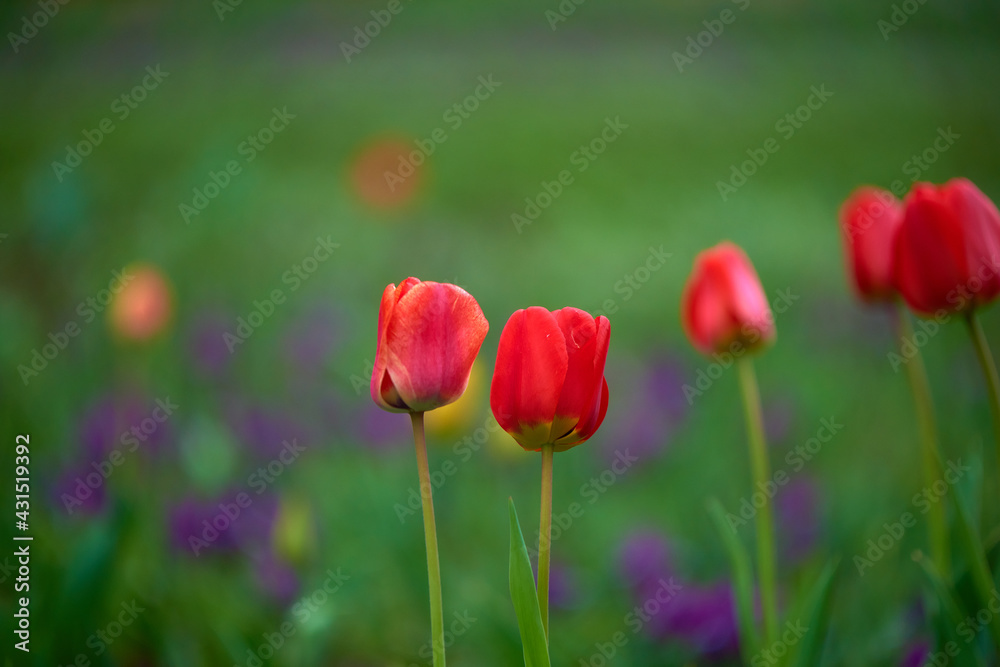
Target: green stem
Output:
{"points": [[765, 522], [930, 452], [545, 537], [430, 539], [989, 370]]}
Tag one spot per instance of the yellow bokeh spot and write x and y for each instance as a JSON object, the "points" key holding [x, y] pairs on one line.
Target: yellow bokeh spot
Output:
{"points": [[458, 418], [293, 536], [503, 447]]}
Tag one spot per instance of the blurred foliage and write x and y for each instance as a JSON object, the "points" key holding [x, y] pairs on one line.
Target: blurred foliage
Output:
{"points": [[340, 508]]}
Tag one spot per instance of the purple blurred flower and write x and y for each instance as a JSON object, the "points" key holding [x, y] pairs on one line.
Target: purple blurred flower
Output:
{"points": [[75, 494], [915, 653], [209, 353], [103, 423], [224, 524], [254, 528], [123, 422], [654, 407], [698, 616], [311, 339], [276, 578], [779, 416], [264, 430], [798, 519], [112, 429], [329, 410], [563, 589], [250, 533], [664, 385], [100, 428], [701, 617], [645, 556], [381, 430], [198, 527]]}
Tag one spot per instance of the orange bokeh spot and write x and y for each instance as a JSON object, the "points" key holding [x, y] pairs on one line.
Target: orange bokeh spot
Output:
{"points": [[144, 305], [385, 173]]}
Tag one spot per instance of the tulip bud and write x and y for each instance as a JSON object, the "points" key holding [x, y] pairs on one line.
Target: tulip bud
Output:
{"points": [[869, 220], [724, 304], [428, 336], [548, 385], [947, 249]]}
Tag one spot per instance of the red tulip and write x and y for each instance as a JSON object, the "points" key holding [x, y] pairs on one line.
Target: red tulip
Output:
{"points": [[947, 250], [869, 220], [548, 385], [723, 303], [428, 336]]}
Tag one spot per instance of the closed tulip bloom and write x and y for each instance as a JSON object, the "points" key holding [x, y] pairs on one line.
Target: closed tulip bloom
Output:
{"points": [[869, 220], [548, 385], [947, 250], [723, 302], [428, 336]]}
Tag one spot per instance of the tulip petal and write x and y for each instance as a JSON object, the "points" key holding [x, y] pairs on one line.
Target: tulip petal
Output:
{"points": [[531, 366], [929, 252], [382, 392], [704, 314], [870, 219], [723, 301], [431, 340], [748, 304], [589, 422], [587, 349], [981, 226]]}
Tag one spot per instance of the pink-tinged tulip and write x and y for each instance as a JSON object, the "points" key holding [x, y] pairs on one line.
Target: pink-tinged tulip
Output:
{"points": [[144, 306], [947, 250], [869, 220], [724, 304], [428, 336], [548, 385]]}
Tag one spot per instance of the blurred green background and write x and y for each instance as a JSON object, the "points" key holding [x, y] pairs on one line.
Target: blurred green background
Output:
{"points": [[336, 515]]}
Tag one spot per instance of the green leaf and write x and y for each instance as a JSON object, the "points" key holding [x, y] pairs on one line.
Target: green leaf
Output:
{"points": [[814, 615], [950, 616], [525, 598], [975, 560], [84, 589], [742, 581]]}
